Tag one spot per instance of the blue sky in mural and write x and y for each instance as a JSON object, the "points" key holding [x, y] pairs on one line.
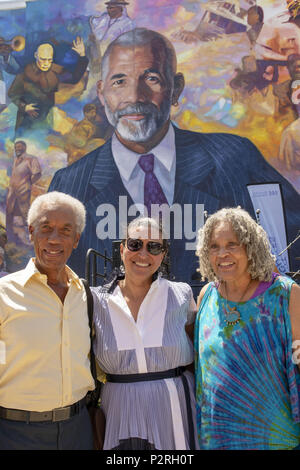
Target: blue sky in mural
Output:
{"points": [[12, 21], [48, 21]]}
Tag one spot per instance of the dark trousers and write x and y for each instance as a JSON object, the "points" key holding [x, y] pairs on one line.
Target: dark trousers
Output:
{"points": [[72, 434]]}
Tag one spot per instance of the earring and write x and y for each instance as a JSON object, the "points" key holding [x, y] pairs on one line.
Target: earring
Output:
{"points": [[122, 268]]}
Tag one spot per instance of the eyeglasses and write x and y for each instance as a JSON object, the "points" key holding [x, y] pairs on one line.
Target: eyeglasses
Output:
{"points": [[154, 248]]}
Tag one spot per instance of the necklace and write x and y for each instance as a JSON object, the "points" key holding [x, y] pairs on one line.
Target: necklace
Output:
{"points": [[233, 316]]}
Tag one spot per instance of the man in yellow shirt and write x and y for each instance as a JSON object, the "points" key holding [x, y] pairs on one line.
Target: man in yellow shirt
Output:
{"points": [[44, 337]]}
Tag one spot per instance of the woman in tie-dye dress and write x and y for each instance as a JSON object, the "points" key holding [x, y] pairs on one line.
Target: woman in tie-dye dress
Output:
{"points": [[247, 379]]}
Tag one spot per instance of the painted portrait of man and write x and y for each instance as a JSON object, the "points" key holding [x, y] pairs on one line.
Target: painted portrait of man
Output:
{"points": [[167, 108], [188, 170]]}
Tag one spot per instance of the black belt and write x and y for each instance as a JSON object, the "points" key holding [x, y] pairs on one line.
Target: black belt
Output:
{"points": [[58, 414], [165, 374], [127, 378]]}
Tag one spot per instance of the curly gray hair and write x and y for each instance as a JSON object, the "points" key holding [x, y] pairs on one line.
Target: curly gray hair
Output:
{"points": [[261, 261], [54, 200]]}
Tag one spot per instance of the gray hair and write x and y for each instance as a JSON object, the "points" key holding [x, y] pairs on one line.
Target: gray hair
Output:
{"points": [[159, 44], [55, 200], [261, 261]]}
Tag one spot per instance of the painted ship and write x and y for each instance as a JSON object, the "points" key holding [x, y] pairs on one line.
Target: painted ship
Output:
{"points": [[226, 17]]}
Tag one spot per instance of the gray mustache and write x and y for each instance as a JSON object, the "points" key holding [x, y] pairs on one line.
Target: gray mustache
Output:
{"points": [[139, 108]]}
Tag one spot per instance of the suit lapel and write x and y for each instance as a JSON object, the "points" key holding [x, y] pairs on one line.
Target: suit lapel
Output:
{"points": [[105, 183], [193, 166]]}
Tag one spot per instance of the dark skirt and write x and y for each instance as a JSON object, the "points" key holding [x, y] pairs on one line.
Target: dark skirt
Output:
{"points": [[134, 443]]}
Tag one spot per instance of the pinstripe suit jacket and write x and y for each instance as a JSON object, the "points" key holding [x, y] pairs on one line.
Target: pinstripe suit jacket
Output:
{"points": [[211, 169]]}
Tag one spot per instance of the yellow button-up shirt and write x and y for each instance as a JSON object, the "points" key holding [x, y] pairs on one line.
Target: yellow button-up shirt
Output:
{"points": [[44, 343]]}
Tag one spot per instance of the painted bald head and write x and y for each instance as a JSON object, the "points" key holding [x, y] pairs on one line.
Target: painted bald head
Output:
{"points": [[44, 57]]}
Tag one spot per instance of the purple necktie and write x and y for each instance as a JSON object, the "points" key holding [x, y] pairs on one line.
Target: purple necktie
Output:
{"points": [[153, 193]]}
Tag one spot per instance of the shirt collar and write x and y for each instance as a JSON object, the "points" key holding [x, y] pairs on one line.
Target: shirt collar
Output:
{"points": [[20, 159], [112, 21], [159, 282], [31, 270], [126, 160]]}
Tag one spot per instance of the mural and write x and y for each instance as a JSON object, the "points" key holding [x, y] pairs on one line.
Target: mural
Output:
{"points": [[86, 91]]}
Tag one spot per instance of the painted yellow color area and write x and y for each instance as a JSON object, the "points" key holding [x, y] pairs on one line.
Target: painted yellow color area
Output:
{"points": [[67, 91], [182, 15], [2, 219], [4, 179], [62, 123], [256, 128]]}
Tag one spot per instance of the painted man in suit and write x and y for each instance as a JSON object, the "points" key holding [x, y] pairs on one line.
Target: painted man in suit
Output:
{"points": [[138, 86]]}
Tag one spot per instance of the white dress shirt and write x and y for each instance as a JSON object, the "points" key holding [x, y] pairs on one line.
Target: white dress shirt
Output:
{"points": [[133, 176]]}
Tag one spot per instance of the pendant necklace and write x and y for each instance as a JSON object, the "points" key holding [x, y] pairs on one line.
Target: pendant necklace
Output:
{"points": [[233, 316]]}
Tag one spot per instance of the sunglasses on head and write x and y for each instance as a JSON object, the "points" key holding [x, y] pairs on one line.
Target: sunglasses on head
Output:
{"points": [[154, 248]]}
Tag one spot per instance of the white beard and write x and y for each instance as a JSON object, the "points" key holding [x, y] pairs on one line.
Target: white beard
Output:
{"points": [[143, 130]]}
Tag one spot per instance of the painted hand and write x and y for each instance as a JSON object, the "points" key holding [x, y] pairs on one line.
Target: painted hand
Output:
{"points": [[78, 46], [32, 110]]}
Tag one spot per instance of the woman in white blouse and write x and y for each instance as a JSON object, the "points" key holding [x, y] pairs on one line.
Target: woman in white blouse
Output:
{"points": [[142, 323]]}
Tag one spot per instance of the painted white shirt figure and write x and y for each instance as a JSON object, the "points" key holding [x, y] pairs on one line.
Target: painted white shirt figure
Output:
{"points": [[107, 29]]}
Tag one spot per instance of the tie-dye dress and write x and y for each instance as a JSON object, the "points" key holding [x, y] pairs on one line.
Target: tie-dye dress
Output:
{"points": [[247, 385]]}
